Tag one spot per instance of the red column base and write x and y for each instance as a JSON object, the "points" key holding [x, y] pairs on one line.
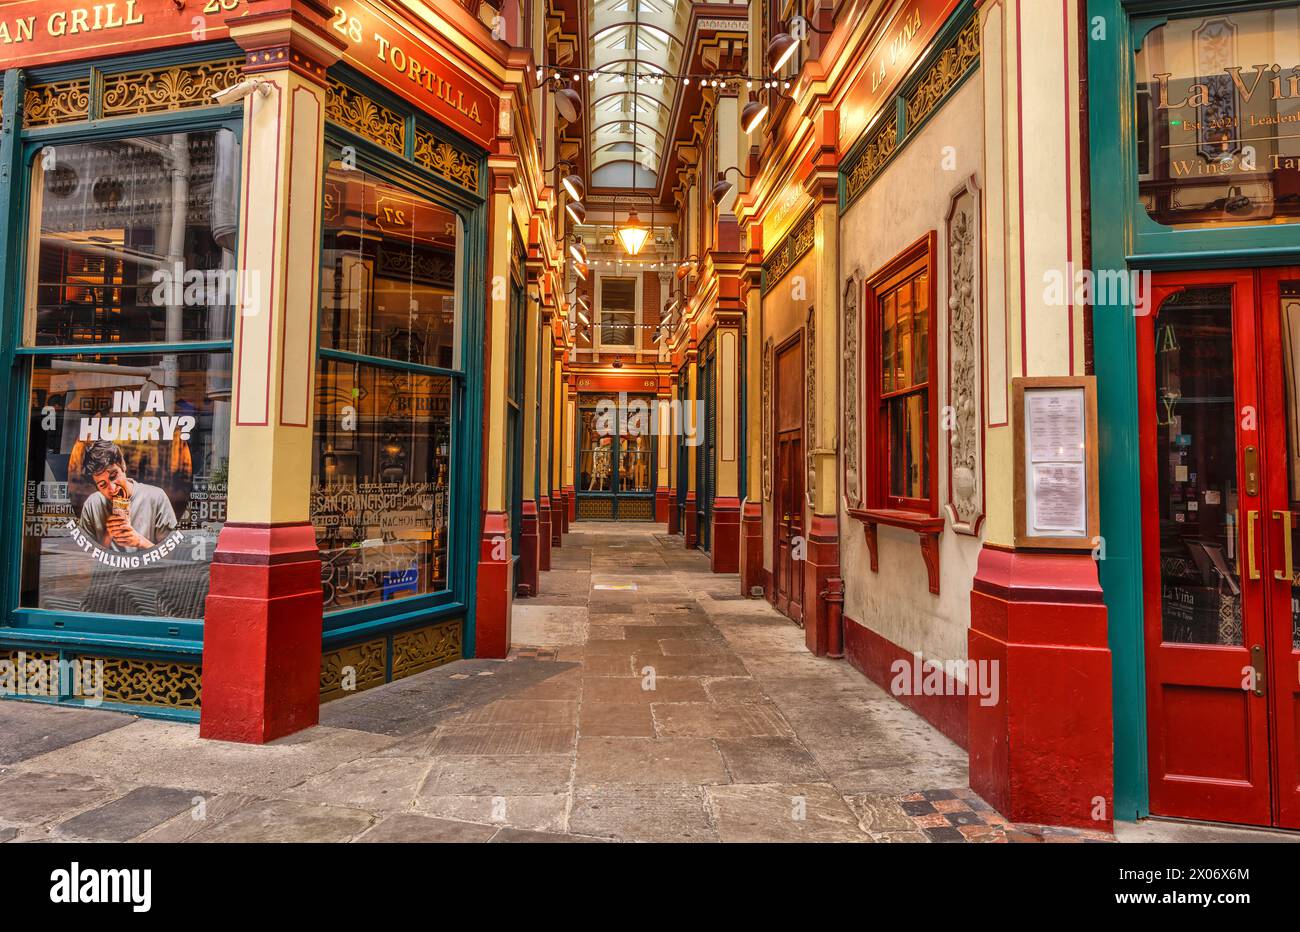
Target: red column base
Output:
{"points": [[751, 548], [725, 531], [674, 516], [692, 517], [544, 533], [662, 498], [821, 565], [557, 519], [495, 596], [527, 582], [570, 508], [262, 634], [1043, 752]]}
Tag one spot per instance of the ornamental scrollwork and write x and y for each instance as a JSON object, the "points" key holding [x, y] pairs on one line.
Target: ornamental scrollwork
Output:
{"points": [[60, 102], [365, 117], [446, 160], [852, 475], [136, 92], [966, 496]]}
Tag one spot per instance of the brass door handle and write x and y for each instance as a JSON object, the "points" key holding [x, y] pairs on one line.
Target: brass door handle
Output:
{"points": [[1252, 567], [1257, 661], [1287, 574]]}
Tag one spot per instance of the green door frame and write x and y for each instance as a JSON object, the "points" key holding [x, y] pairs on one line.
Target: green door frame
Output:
{"points": [[1125, 238]]}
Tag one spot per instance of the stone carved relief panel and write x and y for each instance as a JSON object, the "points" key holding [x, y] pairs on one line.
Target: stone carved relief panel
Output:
{"points": [[965, 505], [851, 403]]}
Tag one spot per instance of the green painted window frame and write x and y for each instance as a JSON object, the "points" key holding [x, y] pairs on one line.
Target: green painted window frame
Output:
{"points": [[18, 152], [343, 626]]}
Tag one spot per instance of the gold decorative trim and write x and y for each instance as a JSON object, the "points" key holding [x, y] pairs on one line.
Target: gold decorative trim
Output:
{"points": [[151, 682], [426, 648], [953, 64], [446, 160], [363, 116], [794, 247], [872, 159], [60, 102], [367, 661], [178, 88]]}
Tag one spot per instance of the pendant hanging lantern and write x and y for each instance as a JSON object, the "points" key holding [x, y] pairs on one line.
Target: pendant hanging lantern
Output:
{"points": [[633, 235]]}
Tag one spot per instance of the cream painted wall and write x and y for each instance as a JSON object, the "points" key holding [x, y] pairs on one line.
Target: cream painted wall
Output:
{"points": [[907, 201]]}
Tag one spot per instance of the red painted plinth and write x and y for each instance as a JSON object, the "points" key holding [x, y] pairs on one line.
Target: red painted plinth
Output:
{"points": [[544, 533], [692, 520], [557, 519], [1044, 751], [725, 535], [821, 563], [262, 634], [674, 517], [570, 508], [662, 497], [495, 595], [751, 548], [527, 582]]}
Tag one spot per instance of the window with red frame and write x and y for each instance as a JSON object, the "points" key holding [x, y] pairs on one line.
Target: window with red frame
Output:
{"points": [[901, 390]]}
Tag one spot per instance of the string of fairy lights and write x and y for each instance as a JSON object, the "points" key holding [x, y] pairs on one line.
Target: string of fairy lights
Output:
{"points": [[569, 76]]}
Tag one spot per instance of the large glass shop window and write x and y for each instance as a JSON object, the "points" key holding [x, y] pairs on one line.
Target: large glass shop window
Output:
{"points": [[133, 242], [383, 434], [1218, 121]]}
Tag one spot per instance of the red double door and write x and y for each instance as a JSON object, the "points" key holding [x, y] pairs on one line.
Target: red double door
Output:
{"points": [[1219, 369]]}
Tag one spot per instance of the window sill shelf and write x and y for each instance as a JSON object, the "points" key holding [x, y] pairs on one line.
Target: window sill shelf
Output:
{"points": [[927, 528]]}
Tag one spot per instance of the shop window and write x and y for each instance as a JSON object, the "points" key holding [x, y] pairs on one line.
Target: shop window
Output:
{"points": [[902, 391], [1217, 107], [389, 369], [131, 257], [618, 312]]}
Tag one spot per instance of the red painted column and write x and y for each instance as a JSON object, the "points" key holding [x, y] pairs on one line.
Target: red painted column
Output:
{"points": [[692, 529], [1044, 751], [557, 519], [751, 548], [725, 531], [663, 496], [674, 518], [262, 634], [528, 583], [570, 507], [495, 592], [544, 533], [821, 564]]}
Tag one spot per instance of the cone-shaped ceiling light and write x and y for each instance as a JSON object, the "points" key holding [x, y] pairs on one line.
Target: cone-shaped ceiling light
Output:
{"points": [[632, 234]]}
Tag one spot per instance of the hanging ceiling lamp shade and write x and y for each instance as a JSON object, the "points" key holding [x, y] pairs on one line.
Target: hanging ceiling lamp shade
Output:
{"points": [[568, 104], [577, 212], [632, 234], [579, 252], [721, 189], [780, 50]]}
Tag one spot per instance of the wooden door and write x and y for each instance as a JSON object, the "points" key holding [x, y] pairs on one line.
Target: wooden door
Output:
{"points": [[788, 492]]}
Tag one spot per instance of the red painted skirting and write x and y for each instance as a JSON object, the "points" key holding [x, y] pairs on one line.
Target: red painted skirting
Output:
{"points": [[557, 519], [674, 518], [874, 656], [262, 634], [751, 548], [1044, 752], [528, 583], [725, 535], [544, 533], [570, 508], [692, 529], [494, 599], [821, 564], [662, 497]]}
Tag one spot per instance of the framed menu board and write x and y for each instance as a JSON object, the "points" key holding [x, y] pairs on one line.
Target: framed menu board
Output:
{"points": [[1055, 423]]}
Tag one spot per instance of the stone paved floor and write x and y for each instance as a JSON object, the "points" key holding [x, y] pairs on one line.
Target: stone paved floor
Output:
{"points": [[645, 701]]}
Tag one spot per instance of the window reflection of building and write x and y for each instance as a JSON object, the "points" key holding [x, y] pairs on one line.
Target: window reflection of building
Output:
{"points": [[383, 435]]}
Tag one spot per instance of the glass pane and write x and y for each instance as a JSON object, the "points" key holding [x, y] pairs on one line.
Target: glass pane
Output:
{"points": [[1219, 102], [596, 450], [1291, 347], [1196, 466], [390, 272], [921, 329], [125, 491], [634, 464], [909, 446], [889, 325], [906, 311], [618, 311], [380, 480], [136, 240]]}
